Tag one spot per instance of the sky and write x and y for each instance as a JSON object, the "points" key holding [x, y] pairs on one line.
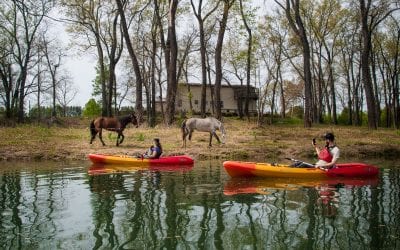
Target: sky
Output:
{"points": [[82, 69]]}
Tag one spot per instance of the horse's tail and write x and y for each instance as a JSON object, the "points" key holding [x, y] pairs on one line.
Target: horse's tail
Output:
{"points": [[183, 126], [92, 128], [222, 129]]}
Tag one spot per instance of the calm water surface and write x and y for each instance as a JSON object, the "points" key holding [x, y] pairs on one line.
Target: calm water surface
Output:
{"points": [[62, 206]]}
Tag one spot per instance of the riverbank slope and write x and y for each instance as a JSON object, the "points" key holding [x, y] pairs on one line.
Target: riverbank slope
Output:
{"points": [[245, 141]]}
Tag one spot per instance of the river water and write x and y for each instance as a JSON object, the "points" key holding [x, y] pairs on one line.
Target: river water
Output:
{"points": [[61, 206]]}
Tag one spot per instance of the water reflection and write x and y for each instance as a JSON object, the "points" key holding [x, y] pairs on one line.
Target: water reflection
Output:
{"points": [[198, 207]]}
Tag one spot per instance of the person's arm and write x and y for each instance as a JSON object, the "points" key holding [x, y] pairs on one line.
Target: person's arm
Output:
{"points": [[328, 165], [316, 148], [153, 154], [147, 155]]}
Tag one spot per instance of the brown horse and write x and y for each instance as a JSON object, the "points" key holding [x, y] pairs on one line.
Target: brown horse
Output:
{"points": [[116, 124]]}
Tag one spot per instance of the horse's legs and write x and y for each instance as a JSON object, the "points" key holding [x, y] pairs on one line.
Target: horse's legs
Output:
{"points": [[184, 134], [216, 136], [122, 139], [118, 140], [211, 135], [190, 135], [93, 137], [101, 137]]}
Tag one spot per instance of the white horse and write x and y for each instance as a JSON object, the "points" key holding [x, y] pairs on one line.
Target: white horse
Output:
{"points": [[209, 124]]}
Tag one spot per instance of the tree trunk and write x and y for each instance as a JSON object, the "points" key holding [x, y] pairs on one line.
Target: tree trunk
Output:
{"points": [[282, 92], [135, 62], [331, 82], [296, 23], [366, 74], [100, 55], [39, 89], [218, 59], [54, 83], [21, 98], [248, 61], [320, 91], [152, 121], [395, 86], [203, 51], [173, 55], [348, 84], [376, 90], [7, 82], [356, 92], [114, 58]]}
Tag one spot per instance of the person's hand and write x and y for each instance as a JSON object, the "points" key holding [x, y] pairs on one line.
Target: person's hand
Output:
{"points": [[321, 167]]}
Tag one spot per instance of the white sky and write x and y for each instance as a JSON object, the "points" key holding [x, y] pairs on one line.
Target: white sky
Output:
{"points": [[82, 71], [81, 68]]}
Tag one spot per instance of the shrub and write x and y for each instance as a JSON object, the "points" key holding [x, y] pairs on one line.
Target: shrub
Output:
{"points": [[92, 109]]}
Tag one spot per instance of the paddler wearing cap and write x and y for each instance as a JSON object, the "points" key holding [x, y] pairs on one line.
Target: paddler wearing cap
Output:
{"points": [[327, 156]]}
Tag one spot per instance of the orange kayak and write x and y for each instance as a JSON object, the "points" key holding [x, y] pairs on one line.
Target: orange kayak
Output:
{"points": [[134, 161], [253, 169]]}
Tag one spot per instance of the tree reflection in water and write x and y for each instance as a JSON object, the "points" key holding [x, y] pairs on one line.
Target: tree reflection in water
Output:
{"points": [[200, 209]]}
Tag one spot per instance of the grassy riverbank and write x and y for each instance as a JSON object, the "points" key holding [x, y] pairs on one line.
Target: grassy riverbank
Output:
{"points": [[244, 142]]}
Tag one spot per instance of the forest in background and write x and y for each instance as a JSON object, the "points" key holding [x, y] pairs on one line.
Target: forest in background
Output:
{"points": [[320, 57]]}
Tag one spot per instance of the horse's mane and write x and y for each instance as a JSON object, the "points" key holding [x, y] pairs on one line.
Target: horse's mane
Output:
{"points": [[125, 119]]}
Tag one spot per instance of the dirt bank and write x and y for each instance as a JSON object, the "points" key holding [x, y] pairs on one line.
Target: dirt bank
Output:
{"points": [[244, 142]]}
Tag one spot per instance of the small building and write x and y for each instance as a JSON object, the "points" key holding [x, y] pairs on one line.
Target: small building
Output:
{"points": [[232, 98]]}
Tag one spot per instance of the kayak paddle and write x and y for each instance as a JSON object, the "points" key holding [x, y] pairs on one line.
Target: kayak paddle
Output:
{"points": [[300, 163]]}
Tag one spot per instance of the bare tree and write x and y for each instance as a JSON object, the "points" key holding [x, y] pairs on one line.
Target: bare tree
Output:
{"points": [[53, 58], [292, 10], [85, 21], [173, 57], [218, 57], [249, 56], [371, 15], [113, 41], [20, 22], [134, 59], [66, 92], [203, 48]]}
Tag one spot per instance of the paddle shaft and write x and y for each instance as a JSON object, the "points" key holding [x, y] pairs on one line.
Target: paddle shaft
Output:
{"points": [[302, 162]]}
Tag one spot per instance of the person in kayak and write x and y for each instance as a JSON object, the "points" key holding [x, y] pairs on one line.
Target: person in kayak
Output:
{"points": [[154, 151], [328, 156]]}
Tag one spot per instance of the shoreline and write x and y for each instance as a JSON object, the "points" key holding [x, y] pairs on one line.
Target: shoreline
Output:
{"points": [[244, 142]]}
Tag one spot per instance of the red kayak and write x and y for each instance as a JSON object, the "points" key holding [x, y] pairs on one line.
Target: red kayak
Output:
{"points": [[141, 162], [253, 169]]}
